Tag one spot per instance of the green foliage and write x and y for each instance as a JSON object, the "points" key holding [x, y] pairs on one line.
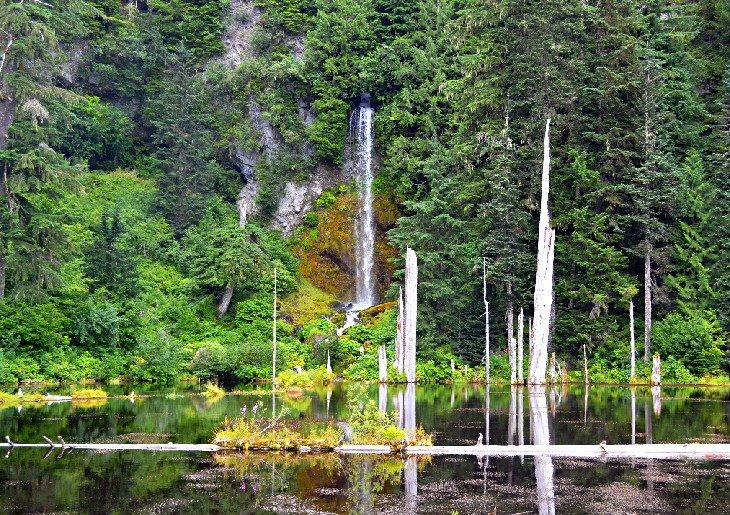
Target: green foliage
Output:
{"points": [[694, 341]]}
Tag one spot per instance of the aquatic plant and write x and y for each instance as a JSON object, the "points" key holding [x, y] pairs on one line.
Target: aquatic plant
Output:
{"points": [[89, 393], [213, 392]]}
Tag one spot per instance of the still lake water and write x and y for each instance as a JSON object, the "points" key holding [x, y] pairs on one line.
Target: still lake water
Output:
{"points": [[147, 482]]}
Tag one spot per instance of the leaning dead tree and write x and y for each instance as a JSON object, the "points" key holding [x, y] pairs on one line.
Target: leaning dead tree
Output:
{"points": [[411, 304], [543, 298]]}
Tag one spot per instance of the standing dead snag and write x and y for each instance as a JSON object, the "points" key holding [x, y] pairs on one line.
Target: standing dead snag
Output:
{"points": [[633, 339], [399, 338], [511, 344], [486, 322], [585, 364], [520, 346], [382, 365], [543, 298], [656, 370], [647, 302], [273, 357], [329, 366], [411, 306]]}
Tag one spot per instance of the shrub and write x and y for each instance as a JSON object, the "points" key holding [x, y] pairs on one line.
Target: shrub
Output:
{"points": [[213, 392], [157, 357], [692, 339], [89, 393]]}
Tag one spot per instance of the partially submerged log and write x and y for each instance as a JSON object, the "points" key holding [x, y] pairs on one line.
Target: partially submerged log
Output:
{"points": [[653, 451], [602, 450]]}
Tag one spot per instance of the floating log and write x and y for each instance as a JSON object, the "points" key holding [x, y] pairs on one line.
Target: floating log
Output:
{"points": [[654, 451], [121, 446], [650, 451]]}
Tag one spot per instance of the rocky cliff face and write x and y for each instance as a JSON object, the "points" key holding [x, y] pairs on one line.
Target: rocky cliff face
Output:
{"points": [[298, 197]]}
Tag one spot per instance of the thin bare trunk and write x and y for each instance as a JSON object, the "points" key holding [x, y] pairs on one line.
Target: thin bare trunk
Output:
{"points": [[585, 365], [656, 370], [520, 346], [511, 346], [226, 299], [486, 322], [633, 339], [411, 306], [329, 366], [543, 298], [273, 357], [399, 334], [647, 303], [382, 365]]}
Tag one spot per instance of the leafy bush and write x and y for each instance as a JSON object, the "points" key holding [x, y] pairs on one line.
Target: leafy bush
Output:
{"points": [[158, 357], [694, 340]]}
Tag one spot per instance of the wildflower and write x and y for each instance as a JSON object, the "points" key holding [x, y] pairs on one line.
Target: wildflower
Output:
{"points": [[243, 486], [243, 411], [255, 409], [253, 488]]}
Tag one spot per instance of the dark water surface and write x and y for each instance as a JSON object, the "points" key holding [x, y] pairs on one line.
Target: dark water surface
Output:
{"points": [[146, 482]]}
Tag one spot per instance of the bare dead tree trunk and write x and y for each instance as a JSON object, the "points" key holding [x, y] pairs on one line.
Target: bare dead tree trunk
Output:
{"points": [[273, 357], [399, 338], [486, 322], [633, 339], [329, 366], [383, 397], [543, 298], [656, 370], [382, 365], [410, 315], [511, 346], [647, 303], [226, 299], [520, 346], [585, 364]]}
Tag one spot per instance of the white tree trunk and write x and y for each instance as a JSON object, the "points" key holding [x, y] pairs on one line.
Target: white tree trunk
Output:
{"points": [[633, 417], [633, 339], [656, 397], [543, 298], [486, 322], [553, 369], [544, 471], [273, 357], [656, 370], [520, 346], [329, 366], [382, 365], [383, 397], [585, 365], [512, 416], [647, 303], [399, 337], [511, 344], [409, 410], [453, 368], [411, 479], [411, 305]]}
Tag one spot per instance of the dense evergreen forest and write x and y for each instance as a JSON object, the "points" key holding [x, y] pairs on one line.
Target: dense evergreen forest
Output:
{"points": [[131, 135]]}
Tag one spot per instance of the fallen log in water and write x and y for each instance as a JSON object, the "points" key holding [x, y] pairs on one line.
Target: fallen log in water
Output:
{"points": [[656, 451], [649, 451], [118, 446]]}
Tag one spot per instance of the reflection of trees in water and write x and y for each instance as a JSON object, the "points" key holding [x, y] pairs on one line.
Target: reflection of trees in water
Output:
{"points": [[368, 476], [544, 471]]}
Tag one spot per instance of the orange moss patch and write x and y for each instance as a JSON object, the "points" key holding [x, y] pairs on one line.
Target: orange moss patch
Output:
{"points": [[327, 252], [372, 314]]}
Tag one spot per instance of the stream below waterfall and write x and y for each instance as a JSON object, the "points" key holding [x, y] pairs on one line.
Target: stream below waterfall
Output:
{"points": [[148, 482]]}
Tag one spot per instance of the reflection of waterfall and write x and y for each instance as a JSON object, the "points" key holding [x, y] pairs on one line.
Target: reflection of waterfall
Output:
{"points": [[365, 223], [544, 471]]}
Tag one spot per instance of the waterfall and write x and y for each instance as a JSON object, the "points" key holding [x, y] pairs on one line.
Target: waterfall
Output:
{"points": [[365, 224]]}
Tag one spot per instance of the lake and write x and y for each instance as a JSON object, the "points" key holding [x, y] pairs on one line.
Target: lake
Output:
{"points": [[147, 482]]}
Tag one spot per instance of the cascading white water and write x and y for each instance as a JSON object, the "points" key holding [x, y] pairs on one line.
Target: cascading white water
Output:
{"points": [[361, 141], [365, 223]]}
